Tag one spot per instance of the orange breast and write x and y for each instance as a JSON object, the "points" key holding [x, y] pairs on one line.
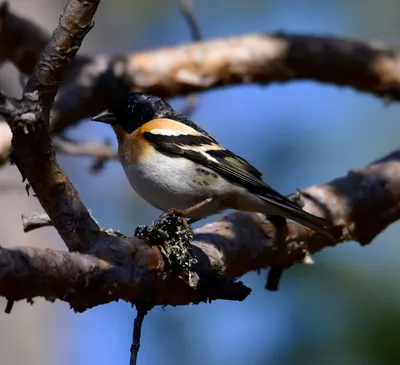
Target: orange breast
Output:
{"points": [[132, 147]]}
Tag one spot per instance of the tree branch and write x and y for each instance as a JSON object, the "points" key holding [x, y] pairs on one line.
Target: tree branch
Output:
{"points": [[34, 155], [361, 205], [187, 11], [34, 221], [188, 14], [21, 40], [108, 266], [85, 281], [101, 151], [258, 58], [92, 83], [29, 123], [142, 311]]}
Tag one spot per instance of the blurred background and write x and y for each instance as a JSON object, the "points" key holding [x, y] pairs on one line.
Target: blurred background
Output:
{"points": [[343, 310]]}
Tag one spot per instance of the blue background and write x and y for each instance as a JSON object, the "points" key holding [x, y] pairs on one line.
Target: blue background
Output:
{"points": [[342, 310]]}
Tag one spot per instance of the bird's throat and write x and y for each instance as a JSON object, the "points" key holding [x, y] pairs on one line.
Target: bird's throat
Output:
{"points": [[120, 133]]}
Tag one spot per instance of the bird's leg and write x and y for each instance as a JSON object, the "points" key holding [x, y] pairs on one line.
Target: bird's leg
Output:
{"points": [[186, 212], [173, 211], [196, 207]]}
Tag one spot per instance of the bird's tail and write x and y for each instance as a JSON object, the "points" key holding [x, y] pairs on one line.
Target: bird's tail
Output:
{"points": [[293, 212]]}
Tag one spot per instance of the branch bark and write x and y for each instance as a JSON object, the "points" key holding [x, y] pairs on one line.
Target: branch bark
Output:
{"points": [[28, 119], [257, 58], [93, 82], [33, 153], [360, 205]]}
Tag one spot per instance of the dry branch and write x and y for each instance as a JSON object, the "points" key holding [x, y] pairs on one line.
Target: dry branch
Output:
{"points": [[34, 155], [109, 267], [258, 58], [93, 82], [85, 281], [28, 119], [361, 204]]}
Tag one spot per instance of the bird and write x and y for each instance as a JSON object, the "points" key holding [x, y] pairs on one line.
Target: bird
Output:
{"points": [[175, 165]]}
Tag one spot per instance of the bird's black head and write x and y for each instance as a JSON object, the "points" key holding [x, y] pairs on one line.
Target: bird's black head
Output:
{"points": [[135, 109]]}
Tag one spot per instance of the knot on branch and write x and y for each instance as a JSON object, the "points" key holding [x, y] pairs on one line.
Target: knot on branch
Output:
{"points": [[174, 238], [17, 110]]}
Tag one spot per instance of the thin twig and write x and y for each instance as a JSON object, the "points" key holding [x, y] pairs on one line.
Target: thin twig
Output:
{"points": [[187, 11], [9, 306], [274, 277], [142, 310], [101, 151], [190, 105], [35, 220], [97, 149]]}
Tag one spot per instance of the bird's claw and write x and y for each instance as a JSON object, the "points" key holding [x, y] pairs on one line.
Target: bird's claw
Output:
{"points": [[172, 212]]}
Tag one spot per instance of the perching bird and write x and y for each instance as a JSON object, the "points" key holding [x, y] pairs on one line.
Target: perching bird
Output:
{"points": [[174, 164]]}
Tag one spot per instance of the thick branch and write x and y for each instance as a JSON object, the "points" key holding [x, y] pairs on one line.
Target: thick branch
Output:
{"points": [[259, 58], [75, 22], [92, 83], [85, 281], [28, 119], [361, 205], [34, 155], [21, 41]]}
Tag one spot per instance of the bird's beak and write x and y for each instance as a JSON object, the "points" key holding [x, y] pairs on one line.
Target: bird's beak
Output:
{"points": [[106, 116]]}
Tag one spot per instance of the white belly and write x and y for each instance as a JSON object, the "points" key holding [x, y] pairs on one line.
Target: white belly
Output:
{"points": [[174, 182]]}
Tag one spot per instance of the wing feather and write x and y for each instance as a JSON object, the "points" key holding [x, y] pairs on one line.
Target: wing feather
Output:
{"points": [[208, 153]]}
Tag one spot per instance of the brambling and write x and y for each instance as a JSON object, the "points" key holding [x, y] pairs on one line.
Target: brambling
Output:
{"points": [[173, 163]]}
